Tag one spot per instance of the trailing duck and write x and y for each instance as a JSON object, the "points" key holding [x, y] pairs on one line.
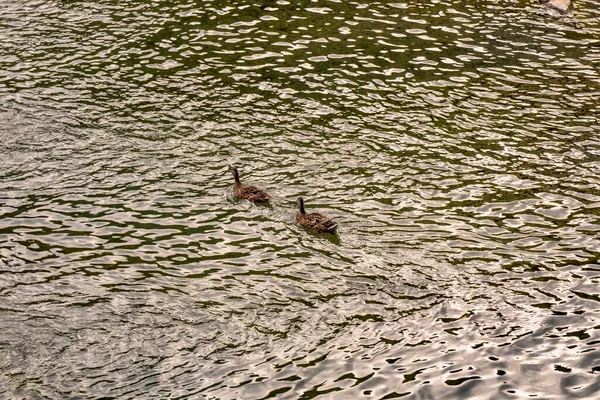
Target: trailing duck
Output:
{"points": [[314, 221]]}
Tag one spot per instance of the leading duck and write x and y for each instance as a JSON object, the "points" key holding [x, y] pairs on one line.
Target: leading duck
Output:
{"points": [[247, 192]]}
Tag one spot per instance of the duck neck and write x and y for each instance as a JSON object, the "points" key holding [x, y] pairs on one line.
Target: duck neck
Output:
{"points": [[236, 176], [301, 205]]}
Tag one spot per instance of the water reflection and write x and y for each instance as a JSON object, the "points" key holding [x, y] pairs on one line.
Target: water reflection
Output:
{"points": [[454, 143]]}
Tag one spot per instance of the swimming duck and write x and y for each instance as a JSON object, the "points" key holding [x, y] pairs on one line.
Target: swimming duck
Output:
{"points": [[562, 6], [247, 192], [315, 221]]}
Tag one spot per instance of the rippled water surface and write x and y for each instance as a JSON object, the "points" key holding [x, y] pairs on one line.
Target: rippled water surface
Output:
{"points": [[456, 143]]}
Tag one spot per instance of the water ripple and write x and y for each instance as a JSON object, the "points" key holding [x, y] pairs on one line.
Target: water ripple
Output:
{"points": [[455, 144]]}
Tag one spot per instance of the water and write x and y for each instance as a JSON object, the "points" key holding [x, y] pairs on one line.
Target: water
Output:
{"points": [[456, 143]]}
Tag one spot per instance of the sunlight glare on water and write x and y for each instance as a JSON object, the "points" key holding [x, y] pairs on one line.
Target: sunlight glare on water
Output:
{"points": [[456, 143]]}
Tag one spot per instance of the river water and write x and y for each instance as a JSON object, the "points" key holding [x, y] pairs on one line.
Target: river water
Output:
{"points": [[456, 143]]}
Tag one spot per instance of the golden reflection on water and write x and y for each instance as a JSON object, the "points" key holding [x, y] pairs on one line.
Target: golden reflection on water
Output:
{"points": [[454, 143]]}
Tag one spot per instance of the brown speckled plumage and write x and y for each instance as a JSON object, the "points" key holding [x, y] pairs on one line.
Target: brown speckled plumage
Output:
{"points": [[247, 192], [314, 221]]}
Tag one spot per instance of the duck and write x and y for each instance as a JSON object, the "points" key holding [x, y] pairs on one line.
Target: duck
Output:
{"points": [[314, 221], [247, 192], [562, 6]]}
